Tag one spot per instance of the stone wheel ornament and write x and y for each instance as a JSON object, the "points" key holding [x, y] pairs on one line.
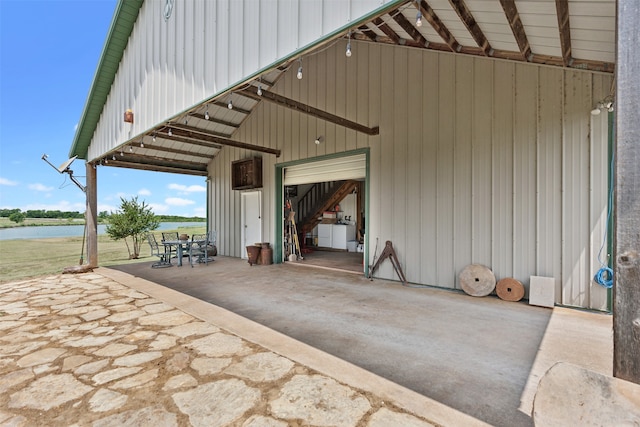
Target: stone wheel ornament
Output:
{"points": [[477, 280], [510, 289]]}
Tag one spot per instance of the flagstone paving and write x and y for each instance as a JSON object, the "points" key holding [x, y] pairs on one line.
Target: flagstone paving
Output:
{"points": [[86, 350]]}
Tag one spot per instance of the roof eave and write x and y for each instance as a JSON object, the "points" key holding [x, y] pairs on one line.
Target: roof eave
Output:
{"points": [[124, 18]]}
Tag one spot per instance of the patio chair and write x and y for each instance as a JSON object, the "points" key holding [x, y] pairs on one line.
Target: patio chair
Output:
{"points": [[199, 249], [171, 236], [160, 252]]}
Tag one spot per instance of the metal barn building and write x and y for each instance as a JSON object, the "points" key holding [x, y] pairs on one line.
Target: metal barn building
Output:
{"points": [[467, 124]]}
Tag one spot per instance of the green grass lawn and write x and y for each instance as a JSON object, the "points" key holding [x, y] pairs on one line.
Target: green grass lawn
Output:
{"points": [[23, 259]]}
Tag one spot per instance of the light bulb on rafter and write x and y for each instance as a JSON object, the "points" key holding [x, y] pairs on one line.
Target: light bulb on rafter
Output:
{"points": [[299, 75]]}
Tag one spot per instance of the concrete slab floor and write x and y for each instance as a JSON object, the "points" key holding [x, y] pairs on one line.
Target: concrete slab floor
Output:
{"points": [[481, 356]]}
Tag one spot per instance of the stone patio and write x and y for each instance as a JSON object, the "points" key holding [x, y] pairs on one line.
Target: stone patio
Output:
{"points": [[89, 350]]}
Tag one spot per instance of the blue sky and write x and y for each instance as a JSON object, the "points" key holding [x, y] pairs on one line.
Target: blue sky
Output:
{"points": [[49, 50]]}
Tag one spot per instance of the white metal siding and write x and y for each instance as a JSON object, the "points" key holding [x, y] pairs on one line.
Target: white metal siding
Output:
{"points": [[477, 161], [204, 49]]}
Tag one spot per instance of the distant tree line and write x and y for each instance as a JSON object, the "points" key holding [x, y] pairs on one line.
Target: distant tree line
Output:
{"points": [[18, 215]]}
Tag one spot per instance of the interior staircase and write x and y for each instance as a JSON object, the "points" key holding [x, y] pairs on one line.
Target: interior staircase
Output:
{"points": [[323, 196]]}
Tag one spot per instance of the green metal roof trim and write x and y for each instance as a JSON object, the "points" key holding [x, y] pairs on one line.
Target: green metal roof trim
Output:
{"points": [[124, 18]]}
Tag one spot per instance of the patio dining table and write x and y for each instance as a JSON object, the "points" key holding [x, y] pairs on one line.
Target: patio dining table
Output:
{"points": [[180, 247]]}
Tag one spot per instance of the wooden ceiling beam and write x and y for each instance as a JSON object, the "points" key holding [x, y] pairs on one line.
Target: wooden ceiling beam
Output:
{"points": [[189, 141], [205, 135], [409, 28], [378, 22], [371, 35], [226, 105], [562, 9], [163, 149], [307, 109], [438, 26], [474, 29], [513, 17], [157, 167], [212, 119]]}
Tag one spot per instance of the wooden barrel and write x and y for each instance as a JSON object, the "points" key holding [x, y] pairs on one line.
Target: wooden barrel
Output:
{"points": [[253, 252], [266, 254]]}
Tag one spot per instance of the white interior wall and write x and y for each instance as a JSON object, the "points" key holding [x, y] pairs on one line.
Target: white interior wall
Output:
{"points": [[477, 161]]}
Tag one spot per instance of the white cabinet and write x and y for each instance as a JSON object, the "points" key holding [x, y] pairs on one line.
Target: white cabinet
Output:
{"points": [[341, 234], [324, 235], [335, 236]]}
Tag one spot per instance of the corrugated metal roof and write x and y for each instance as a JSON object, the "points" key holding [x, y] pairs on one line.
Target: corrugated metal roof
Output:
{"points": [[124, 18], [523, 31]]}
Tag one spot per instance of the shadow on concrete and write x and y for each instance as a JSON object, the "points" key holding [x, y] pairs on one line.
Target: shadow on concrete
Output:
{"points": [[472, 354]]}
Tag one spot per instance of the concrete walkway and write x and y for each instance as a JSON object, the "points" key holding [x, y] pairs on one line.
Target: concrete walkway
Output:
{"points": [[482, 356], [108, 349]]}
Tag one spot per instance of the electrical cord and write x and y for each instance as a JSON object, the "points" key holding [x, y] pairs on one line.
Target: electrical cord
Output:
{"points": [[604, 276]]}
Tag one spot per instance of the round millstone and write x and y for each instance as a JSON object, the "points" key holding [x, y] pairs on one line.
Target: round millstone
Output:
{"points": [[477, 280], [510, 289]]}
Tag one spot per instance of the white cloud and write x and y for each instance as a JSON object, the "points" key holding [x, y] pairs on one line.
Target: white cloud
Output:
{"points": [[177, 201], [144, 192], [200, 211], [187, 189], [39, 187], [106, 207], [5, 181], [158, 209]]}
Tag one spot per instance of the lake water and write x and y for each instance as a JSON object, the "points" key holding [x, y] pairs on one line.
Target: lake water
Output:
{"points": [[74, 230]]}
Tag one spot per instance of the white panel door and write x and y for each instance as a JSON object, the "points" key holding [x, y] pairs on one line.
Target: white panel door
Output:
{"points": [[251, 220]]}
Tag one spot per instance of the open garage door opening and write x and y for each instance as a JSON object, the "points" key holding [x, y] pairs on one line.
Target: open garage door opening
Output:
{"points": [[324, 212]]}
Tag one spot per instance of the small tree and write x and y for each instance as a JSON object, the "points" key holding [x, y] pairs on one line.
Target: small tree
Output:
{"points": [[16, 217], [132, 220]]}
